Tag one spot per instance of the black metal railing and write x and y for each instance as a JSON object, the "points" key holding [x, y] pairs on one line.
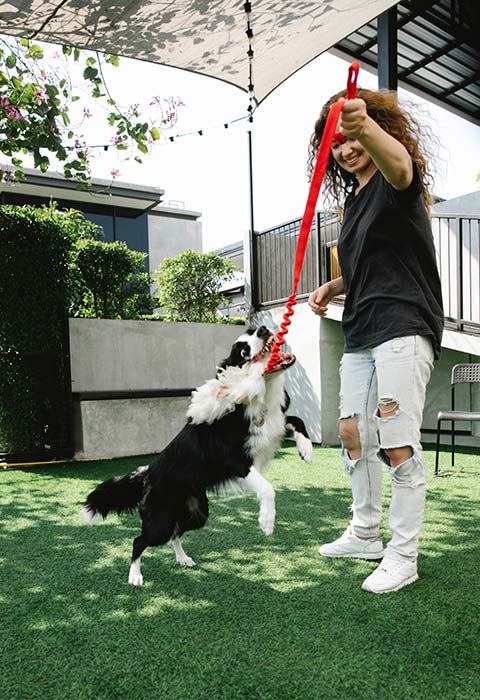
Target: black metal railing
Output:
{"points": [[274, 256], [457, 242]]}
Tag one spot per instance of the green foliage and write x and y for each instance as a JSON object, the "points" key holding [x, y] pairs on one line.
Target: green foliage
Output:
{"points": [[36, 98], [233, 320], [110, 281], [189, 285], [35, 249], [36, 245], [75, 225]]}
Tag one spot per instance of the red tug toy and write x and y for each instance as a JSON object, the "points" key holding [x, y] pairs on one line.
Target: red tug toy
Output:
{"points": [[329, 135]]}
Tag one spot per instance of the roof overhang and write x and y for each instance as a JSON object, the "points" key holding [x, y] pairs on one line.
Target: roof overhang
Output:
{"points": [[438, 52], [103, 192], [203, 37]]}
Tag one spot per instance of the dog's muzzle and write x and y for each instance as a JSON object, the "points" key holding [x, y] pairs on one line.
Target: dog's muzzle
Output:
{"points": [[284, 360]]}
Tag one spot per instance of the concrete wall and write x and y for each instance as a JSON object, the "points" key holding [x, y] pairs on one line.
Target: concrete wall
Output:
{"points": [[171, 233], [314, 382], [111, 355], [141, 355], [121, 428]]}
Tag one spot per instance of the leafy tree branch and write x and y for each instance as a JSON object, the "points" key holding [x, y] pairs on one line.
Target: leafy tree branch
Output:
{"points": [[37, 97]]}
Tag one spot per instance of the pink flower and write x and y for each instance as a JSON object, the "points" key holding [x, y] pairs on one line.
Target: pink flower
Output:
{"points": [[40, 95], [7, 174], [87, 113], [12, 112], [77, 143], [114, 140], [115, 173], [55, 54]]}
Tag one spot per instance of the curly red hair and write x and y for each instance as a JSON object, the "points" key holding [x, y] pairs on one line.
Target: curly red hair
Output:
{"points": [[382, 107]]}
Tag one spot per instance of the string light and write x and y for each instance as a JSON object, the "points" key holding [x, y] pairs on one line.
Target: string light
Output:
{"points": [[250, 53], [197, 132]]}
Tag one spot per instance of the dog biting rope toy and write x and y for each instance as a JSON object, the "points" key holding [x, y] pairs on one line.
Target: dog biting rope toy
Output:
{"points": [[329, 134]]}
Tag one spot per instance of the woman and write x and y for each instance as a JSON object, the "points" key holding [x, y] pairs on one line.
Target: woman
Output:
{"points": [[392, 324]]}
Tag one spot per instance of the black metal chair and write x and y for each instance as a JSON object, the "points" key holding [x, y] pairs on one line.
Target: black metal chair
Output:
{"points": [[461, 374]]}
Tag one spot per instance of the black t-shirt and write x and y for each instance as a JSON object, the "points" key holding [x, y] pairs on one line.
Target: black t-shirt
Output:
{"points": [[388, 264]]}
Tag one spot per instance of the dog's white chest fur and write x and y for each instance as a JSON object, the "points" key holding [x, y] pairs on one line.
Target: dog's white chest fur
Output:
{"points": [[263, 399], [267, 422]]}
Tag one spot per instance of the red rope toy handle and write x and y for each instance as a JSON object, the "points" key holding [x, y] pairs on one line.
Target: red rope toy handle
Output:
{"points": [[329, 134]]}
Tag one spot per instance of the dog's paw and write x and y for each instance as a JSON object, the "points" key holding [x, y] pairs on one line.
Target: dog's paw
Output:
{"points": [[305, 448], [266, 520], [135, 578], [186, 561]]}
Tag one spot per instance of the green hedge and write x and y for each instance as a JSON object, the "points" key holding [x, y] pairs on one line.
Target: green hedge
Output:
{"points": [[109, 281], [35, 248]]}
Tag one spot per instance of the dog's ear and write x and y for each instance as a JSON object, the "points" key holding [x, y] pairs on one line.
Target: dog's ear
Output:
{"points": [[239, 354], [221, 365]]}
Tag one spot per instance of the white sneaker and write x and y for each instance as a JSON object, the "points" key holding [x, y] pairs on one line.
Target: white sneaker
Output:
{"points": [[390, 576], [349, 545]]}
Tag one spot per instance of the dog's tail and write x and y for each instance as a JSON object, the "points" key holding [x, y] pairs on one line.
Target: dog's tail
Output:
{"points": [[121, 494]]}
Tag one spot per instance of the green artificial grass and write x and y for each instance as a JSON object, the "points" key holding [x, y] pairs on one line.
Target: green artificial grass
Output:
{"points": [[259, 619]]}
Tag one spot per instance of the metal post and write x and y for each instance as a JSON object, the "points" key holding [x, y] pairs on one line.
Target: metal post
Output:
{"points": [[253, 246], [387, 49], [459, 236], [320, 274]]}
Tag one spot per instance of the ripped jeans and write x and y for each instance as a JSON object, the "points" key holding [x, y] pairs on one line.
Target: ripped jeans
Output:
{"points": [[391, 376]]}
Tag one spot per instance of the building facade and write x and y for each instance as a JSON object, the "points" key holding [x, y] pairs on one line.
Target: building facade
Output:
{"points": [[126, 212]]}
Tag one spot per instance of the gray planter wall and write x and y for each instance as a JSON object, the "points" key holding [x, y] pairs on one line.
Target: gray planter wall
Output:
{"points": [[313, 381], [143, 355], [112, 356]]}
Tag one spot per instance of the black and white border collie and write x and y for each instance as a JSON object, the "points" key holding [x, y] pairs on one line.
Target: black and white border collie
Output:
{"points": [[235, 423]]}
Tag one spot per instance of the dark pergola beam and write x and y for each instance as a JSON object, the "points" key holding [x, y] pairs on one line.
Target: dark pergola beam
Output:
{"points": [[438, 53], [469, 80], [387, 49], [402, 20]]}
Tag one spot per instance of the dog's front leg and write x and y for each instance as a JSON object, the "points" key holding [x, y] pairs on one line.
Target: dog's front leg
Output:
{"points": [[256, 483], [182, 558], [295, 429]]}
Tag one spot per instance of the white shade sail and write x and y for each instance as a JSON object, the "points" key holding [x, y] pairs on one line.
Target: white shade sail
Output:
{"points": [[203, 36]]}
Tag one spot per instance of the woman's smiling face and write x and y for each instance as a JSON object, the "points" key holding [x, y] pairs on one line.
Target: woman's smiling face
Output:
{"points": [[352, 157]]}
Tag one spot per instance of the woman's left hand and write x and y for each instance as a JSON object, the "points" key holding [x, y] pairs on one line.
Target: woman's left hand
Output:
{"points": [[353, 118]]}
